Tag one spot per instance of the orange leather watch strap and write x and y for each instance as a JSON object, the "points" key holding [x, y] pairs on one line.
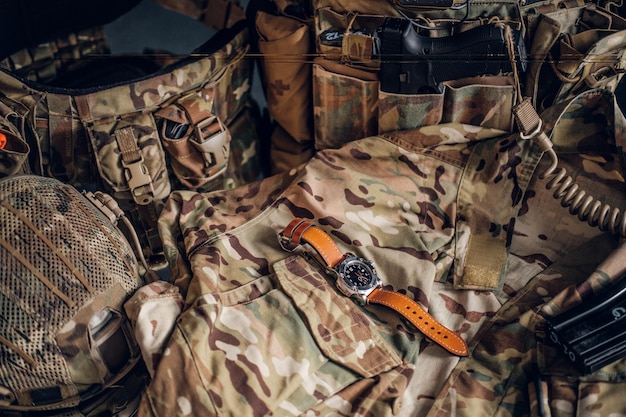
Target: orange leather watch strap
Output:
{"points": [[421, 319], [299, 229]]}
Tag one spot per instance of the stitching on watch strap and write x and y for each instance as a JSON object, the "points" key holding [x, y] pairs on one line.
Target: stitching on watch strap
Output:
{"points": [[429, 320], [328, 250]]}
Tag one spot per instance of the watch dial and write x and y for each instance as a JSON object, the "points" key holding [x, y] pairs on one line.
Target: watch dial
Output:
{"points": [[358, 275]]}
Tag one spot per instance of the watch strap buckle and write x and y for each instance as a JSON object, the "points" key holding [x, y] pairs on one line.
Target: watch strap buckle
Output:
{"points": [[291, 236], [286, 243]]}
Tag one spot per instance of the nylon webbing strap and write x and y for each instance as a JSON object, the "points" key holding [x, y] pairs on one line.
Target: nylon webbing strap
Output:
{"points": [[135, 171], [63, 139], [140, 186], [128, 145], [530, 124], [526, 117]]}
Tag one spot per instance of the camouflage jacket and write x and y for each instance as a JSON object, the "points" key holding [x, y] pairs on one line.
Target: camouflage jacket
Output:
{"points": [[455, 217]]}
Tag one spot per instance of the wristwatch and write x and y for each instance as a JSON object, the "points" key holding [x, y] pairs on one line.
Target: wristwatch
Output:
{"points": [[357, 278]]}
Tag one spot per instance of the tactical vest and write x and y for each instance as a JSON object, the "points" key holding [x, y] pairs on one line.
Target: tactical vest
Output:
{"points": [[132, 127], [341, 96]]}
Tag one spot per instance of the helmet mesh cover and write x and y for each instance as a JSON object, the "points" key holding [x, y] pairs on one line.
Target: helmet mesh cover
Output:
{"points": [[58, 255]]}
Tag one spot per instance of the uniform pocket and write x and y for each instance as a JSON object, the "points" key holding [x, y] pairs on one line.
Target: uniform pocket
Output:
{"points": [[345, 104], [477, 103], [281, 343], [340, 329], [408, 111]]}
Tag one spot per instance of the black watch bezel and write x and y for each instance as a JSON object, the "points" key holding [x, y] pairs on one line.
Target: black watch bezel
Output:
{"points": [[353, 284]]}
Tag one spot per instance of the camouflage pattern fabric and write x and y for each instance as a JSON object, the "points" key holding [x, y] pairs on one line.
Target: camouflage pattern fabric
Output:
{"points": [[438, 191], [344, 101], [285, 45], [514, 370], [47, 60], [586, 42], [153, 309], [117, 137], [265, 332], [347, 97], [347, 100]]}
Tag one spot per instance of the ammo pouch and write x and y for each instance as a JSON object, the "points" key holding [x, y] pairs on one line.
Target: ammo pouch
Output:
{"points": [[345, 100], [353, 71], [138, 136]]}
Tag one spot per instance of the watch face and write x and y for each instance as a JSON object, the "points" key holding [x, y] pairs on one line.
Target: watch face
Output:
{"points": [[358, 274]]}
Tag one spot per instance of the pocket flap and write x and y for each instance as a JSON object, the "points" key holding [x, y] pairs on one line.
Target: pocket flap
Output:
{"points": [[339, 326]]}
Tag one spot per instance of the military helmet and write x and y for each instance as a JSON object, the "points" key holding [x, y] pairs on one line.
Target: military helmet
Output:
{"points": [[65, 272]]}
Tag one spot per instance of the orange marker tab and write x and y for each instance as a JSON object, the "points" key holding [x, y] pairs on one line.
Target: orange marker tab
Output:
{"points": [[3, 140]]}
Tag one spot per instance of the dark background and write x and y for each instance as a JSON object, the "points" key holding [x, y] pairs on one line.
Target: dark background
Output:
{"points": [[149, 25]]}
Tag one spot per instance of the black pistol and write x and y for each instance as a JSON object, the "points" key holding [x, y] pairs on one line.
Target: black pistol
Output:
{"points": [[411, 63]]}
